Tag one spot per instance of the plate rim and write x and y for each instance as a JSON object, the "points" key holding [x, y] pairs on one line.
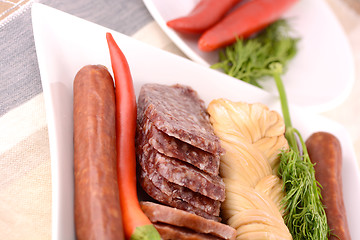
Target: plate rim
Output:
{"points": [[50, 114], [318, 108]]}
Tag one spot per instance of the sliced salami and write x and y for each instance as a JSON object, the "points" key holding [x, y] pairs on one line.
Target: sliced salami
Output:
{"points": [[158, 213], [185, 175], [172, 190], [179, 112], [158, 195], [170, 232], [173, 147]]}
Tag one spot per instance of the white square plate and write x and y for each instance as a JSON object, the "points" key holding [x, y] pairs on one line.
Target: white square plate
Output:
{"points": [[320, 76], [65, 43]]}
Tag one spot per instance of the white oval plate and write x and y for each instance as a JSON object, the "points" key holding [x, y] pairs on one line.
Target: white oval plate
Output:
{"points": [[321, 75], [65, 43]]}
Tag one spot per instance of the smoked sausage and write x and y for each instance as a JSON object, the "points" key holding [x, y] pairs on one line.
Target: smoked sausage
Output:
{"points": [[325, 152], [97, 206]]}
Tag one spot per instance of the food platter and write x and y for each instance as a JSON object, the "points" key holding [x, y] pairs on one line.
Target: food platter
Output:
{"points": [[319, 78], [65, 43]]}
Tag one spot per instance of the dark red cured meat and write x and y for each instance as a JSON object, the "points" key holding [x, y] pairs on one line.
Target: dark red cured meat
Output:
{"points": [[170, 232], [179, 112], [325, 152], [97, 210], [183, 174], [158, 195], [158, 213], [173, 147], [175, 191]]}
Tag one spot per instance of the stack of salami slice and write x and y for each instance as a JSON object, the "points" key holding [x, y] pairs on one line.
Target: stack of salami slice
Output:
{"points": [[173, 223], [177, 150]]}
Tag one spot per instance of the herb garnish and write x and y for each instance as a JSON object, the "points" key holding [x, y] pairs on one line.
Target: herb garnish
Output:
{"points": [[305, 215], [249, 60], [267, 55]]}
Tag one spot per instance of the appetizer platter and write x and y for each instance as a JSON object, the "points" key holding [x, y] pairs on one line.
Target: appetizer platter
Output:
{"points": [[65, 44], [320, 76]]}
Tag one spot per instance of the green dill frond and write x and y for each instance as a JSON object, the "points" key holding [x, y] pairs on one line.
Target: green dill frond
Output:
{"points": [[249, 60]]}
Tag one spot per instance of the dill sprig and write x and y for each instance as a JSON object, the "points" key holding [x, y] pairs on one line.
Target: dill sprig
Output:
{"points": [[305, 215], [249, 60]]}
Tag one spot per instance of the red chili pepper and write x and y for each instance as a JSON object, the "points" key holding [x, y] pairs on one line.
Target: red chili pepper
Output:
{"points": [[204, 15], [136, 223], [249, 18]]}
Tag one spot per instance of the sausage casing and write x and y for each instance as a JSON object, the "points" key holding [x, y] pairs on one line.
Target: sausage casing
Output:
{"points": [[97, 206], [325, 151]]}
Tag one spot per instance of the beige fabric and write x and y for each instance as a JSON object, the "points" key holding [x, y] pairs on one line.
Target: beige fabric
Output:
{"points": [[25, 182], [25, 196], [8, 7]]}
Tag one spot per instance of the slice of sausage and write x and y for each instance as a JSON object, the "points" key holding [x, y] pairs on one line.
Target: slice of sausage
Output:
{"points": [[187, 176], [97, 207], [158, 213], [179, 172], [170, 189], [325, 151], [158, 195], [175, 191], [179, 112], [170, 232], [173, 147]]}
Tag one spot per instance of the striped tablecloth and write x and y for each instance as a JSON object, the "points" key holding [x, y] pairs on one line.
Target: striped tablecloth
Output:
{"points": [[25, 177]]}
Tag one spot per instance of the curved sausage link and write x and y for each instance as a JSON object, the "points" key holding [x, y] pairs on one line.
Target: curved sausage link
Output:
{"points": [[97, 207], [325, 151]]}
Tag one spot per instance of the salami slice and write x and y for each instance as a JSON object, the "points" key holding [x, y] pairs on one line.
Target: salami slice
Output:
{"points": [[185, 175], [170, 232], [158, 213], [173, 147], [179, 112], [158, 195], [172, 190]]}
